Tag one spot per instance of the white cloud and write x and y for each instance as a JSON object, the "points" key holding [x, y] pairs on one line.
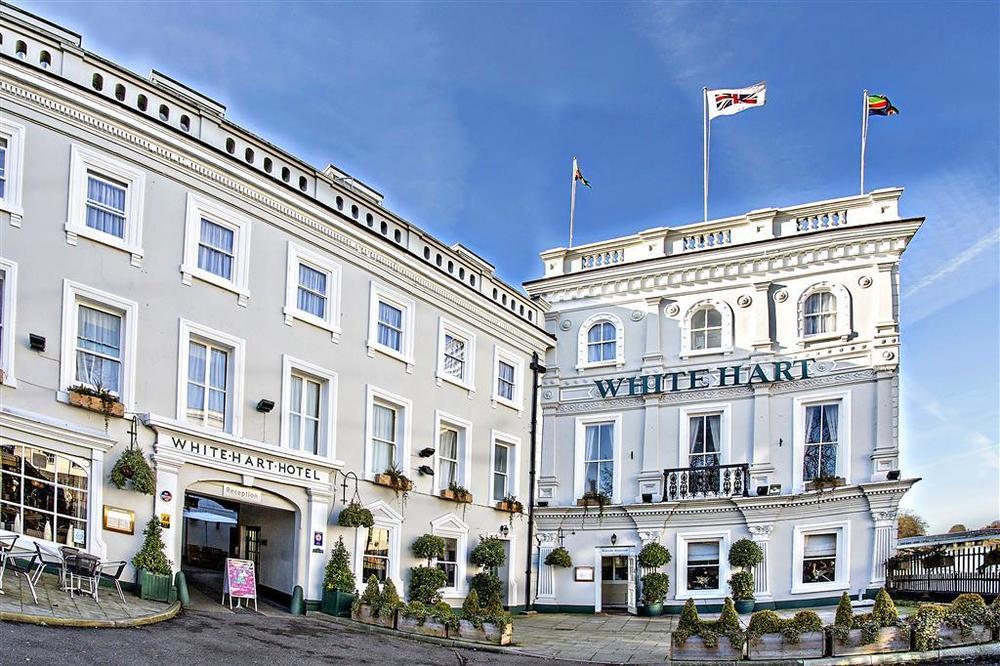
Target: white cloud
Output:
{"points": [[955, 263]]}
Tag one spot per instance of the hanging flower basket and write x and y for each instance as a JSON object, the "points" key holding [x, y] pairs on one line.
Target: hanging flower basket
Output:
{"points": [[132, 468], [559, 557], [355, 515]]}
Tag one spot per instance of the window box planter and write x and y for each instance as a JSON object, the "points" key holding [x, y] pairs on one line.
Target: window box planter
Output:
{"points": [[510, 507], [952, 637], [811, 645], [694, 649], [890, 639], [337, 603], [95, 403], [457, 496], [157, 587], [430, 627], [828, 483], [490, 633], [403, 485], [364, 615]]}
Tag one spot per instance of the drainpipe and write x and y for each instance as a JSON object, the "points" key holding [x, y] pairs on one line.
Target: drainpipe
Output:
{"points": [[536, 370]]}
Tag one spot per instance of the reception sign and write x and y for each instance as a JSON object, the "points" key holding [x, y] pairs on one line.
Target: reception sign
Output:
{"points": [[240, 581]]}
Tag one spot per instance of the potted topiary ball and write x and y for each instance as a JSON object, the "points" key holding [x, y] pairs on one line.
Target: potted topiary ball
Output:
{"points": [[339, 587], [654, 588], [153, 569], [744, 554]]}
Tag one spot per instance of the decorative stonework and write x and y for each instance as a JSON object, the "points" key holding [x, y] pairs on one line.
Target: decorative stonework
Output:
{"points": [[864, 281], [744, 301], [760, 531], [826, 380], [649, 536], [565, 325], [637, 315], [547, 394], [888, 355], [781, 295], [673, 310], [884, 515]]}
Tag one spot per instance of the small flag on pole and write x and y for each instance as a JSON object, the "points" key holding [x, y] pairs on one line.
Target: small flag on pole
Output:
{"points": [[727, 101], [879, 105], [577, 178], [578, 175]]}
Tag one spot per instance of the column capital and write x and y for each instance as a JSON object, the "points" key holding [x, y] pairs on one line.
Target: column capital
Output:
{"points": [[760, 531]]}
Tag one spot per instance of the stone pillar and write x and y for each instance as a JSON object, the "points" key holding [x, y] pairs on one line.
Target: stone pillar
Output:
{"points": [[314, 557], [763, 342], [548, 481], [546, 587], [885, 322], [650, 478], [761, 467], [95, 523], [883, 545], [652, 356], [760, 534], [885, 456], [167, 470]]}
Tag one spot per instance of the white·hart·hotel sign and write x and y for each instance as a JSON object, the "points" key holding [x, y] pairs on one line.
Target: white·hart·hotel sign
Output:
{"points": [[250, 462]]}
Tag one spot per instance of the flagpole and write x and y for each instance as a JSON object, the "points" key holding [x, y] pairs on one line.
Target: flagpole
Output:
{"points": [[704, 120], [572, 201], [864, 136]]}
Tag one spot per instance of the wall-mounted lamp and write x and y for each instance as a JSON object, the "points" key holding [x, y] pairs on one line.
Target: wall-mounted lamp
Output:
{"points": [[426, 470], [504, 530], [426, 452], [614, 539], [36, 342], [264, 406], [893, 475]]}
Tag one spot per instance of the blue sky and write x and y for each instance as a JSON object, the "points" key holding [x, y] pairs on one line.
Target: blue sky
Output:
{"points": [[466, 117]]}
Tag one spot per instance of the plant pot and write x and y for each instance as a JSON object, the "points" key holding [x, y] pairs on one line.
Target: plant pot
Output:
{"points": [[890, 639], [366, 616], [337, 603], [811, 645], [510, 507], [744, 606], [460, 497], [821, 484], [157, 587], [694, 649], [96, 404], [952, 637], [490, 633], [405, 485], [651, 610], [430, 627]]}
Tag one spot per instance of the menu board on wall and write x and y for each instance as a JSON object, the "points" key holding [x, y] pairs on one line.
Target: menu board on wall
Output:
{"points": [[240, 581]]}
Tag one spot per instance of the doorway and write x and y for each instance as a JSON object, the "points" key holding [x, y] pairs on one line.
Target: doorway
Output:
{"points": [[615, 582]]}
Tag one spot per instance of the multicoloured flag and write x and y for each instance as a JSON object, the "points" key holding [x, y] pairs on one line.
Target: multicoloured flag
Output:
{"points": [[879, 105], [578, 175], [727, 101]]}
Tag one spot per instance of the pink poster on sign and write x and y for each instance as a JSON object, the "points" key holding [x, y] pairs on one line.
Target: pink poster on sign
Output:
{"points": [[240, 579]]}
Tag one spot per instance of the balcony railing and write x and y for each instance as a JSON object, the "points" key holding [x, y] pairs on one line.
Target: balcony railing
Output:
{"points": [[684, 483]]}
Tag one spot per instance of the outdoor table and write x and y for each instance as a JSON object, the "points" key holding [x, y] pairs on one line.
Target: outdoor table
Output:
{"points": [[84, 573]]}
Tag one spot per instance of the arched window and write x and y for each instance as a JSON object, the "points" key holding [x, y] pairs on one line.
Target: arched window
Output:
{"points": [[45, 59], [601, 341], [825, 311], [706, 329]]}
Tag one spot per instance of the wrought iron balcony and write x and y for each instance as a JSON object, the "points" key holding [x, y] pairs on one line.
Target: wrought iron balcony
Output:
{"points": [[684, 483]]}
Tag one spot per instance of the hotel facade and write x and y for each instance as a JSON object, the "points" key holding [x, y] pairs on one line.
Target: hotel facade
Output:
{"points": [[271, 331], [716, 381]]}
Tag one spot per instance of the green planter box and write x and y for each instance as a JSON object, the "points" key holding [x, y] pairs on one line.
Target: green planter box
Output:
{"points": [[337, 603], [157, 587]]}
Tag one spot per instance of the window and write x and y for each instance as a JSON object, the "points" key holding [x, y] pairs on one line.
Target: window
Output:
{"points": [[704, 434], [819, 558], [448, 563], [376, 560], [312, 292], [210, 391], [43, 495], [503, 471], [822, 427], [390, 325], [599, 461], [614, 568], [105, 202], [820, 314], [99, 341], [507, 382], [601, 342], [456, 355], [703, 565], [452, 453], [216, 247], [308, 401], [8, 311], [707, 328], [387, 441]]}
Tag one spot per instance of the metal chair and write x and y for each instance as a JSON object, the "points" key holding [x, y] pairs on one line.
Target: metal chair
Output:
{"points": [[46, 558], [114, 577], [84, 574], [24, 568], [7, 542]]}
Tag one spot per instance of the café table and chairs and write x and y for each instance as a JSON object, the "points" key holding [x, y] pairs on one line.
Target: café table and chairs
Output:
{"points": [[22, 563], [7, 542]]}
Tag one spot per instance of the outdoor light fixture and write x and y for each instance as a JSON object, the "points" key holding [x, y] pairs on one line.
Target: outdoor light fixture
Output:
{"points": [[614, 539], [264, 406], [504, 530], [426, 452], [426, 469], [893, 475], [647, 498], [761, 491], [36, 342]]}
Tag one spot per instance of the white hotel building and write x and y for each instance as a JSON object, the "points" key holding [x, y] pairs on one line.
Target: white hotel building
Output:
{"points": [[703, 377], [204, 275]]}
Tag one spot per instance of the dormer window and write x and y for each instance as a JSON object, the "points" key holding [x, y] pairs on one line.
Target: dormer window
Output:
{"points": [[824, 313], [707, 329]]}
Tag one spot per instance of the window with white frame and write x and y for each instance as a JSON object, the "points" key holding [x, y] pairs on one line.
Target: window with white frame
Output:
{"points": [[704, 433], [706, 329], [599, 458], [211, 373], [447, 471], [308, 398], [819, 557], [312, 291], [503, 469], [376, 560], [391, 324], [507, 382], [821, 437], [703, 565], [819, 313], [456, 354], [99, 340], [387, 428], [452, 453], [8, 312], [216, 247], [11, 169], [377, 549], [602, 339], [105, 201], [448, 563], [453, 563], [824, 312]]}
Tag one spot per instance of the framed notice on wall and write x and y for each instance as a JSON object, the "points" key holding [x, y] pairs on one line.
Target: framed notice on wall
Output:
{"points": [[240, 582], [119, 520], [583, 574]]}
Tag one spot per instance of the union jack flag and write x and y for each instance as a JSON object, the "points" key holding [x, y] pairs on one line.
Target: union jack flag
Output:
{"points": [[726, 102]]}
